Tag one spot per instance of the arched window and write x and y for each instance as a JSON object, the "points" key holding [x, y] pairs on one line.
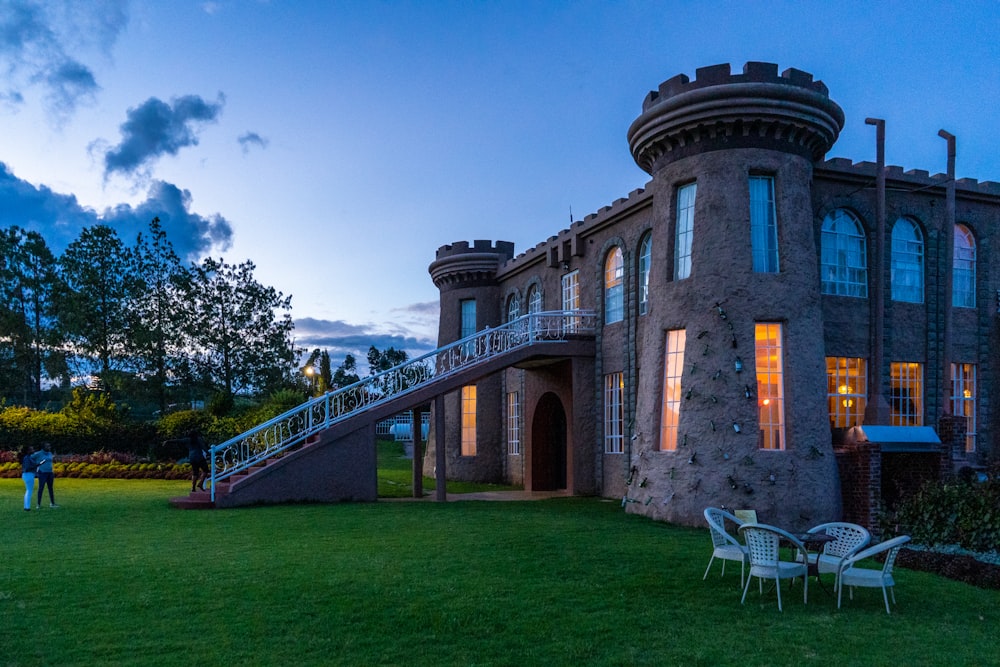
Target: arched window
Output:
{"points": [[684, 231], [843, 259], [513, 307], [614, 303], [964, 277], [645, 256], [907, 261], [534, 299]]}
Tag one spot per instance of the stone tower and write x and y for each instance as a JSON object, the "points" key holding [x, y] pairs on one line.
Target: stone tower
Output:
{"points": [[466, 277], [748, 300]]}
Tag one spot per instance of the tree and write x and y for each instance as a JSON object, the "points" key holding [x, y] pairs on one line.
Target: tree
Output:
{"points": [[236, 339], [29, 329], [383, 361], [155, 313], [346, 373], [96, 270], [317, 368]]}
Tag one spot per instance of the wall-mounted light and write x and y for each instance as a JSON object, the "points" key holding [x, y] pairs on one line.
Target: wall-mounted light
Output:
{"points": [[738, 365]]}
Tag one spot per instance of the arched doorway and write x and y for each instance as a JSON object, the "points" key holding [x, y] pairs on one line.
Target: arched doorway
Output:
{"points": [[548, 445]]}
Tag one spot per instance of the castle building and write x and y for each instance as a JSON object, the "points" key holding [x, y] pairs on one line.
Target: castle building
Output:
{"points": [[754, 302]]}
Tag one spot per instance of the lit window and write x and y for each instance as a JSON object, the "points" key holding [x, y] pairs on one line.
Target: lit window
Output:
{"points": [[763, 225], [534, 299], [513, 423], [513, 308], [843, 258], [571, 297], [963, 399], [469, 420], [468, 317], [645, 257], [964, 285], [673, 370], [906, 399], [770, 385], [907, 262], [614, 306], [614, 414], [846, 390], [685, 230]]}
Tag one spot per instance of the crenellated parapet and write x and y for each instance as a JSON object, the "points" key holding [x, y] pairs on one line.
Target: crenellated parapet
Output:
{"points": [[916, 179], [719, 110], [459, 264]]}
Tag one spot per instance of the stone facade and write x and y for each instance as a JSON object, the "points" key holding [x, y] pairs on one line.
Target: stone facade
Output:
{"points": [[718, 131]]}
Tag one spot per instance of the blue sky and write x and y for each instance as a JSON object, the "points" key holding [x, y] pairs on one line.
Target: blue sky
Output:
{"points": [[338, 144]]}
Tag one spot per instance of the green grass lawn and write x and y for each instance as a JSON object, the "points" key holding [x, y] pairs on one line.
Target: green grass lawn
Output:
{"points": [[117, 576], [395, 476]]}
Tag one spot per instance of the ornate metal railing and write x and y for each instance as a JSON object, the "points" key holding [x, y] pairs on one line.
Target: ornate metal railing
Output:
{"points": [[293, 427]]}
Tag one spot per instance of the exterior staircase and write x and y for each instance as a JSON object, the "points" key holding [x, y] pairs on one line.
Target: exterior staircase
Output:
{"points": [[324, 449]]}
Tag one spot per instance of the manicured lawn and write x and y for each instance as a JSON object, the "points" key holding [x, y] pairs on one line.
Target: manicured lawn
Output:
{"points": [[395, 475], [116, 576]]}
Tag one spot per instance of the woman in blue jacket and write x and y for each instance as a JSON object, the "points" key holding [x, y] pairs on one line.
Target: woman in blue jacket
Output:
{"points": [[29, 465]]}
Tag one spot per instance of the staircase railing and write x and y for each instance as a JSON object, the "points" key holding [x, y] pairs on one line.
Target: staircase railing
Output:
{"points": [[293, 427]]}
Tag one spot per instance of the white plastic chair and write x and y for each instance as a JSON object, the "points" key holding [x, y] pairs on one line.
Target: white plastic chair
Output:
{"points": [[850, 539], [850, 575], [724, 546], [763, 544]]}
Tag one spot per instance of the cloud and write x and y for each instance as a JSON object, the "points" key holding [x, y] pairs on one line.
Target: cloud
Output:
{"points": [[36, 40], [60, 218], [155, 128], [251, 139], [340, 338]]}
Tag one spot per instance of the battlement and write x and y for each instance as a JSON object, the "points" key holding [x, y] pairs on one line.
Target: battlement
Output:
{"points": [[503, 248], [719, 110], [920, 178], [720, 75]]}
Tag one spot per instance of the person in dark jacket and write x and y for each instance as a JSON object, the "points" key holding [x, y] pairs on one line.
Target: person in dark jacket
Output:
{"points": [[29, 466], [46, 475], [196, 457]]}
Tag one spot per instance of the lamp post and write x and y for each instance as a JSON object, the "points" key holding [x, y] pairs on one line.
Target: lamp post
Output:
{"points": [[310, 372]]}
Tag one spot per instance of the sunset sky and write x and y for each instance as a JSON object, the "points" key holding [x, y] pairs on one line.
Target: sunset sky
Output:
{"points": [[338, 144]]}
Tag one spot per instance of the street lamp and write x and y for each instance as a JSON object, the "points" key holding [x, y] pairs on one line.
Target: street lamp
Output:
{"points": [[310, 372]]}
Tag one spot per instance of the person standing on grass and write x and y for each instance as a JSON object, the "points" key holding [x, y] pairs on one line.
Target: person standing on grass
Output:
{"points": [[196, 457], [29, 466], [46, 475]]}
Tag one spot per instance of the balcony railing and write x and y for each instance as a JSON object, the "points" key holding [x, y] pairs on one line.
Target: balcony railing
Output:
{"points": [[293, 427]]}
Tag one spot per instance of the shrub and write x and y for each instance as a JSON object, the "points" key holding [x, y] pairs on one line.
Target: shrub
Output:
{"points": [[962, 513]]}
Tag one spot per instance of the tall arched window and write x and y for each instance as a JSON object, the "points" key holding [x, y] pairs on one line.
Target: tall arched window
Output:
{"points": [[645, 257], [534, 299], [843, 260], [513, 307], [964, 277], [684, 231], [614, 302], [907, 261]]}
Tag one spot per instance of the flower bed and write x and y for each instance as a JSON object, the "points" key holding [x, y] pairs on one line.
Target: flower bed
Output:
{"points": [[101, 465]]}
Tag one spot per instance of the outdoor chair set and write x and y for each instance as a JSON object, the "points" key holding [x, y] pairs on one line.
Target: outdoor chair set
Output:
{"points": [[839, 548]]}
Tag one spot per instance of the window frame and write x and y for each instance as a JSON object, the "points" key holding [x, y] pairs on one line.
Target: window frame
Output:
{"points": [[964, 268], [963, 380], [769, 368], [763, 226], [907, 261], [672, 389], [687, 196], [513, 423], [468, 439], [838, 247], [645, 262], [614, 413], [846, 390], [909, 376], [614, 286]]}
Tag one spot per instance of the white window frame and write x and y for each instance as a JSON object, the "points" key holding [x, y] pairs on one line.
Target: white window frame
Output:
{"points": [[846, 390], [469, 420], [673, 373], [614, 286], [964, 269], [908, 377], [843, 255], [763, 225], [684, 233], [645, 260], [907, 275], [570, 283], [513, 423], [513, 307], [768, 344], [614, 413], [534, 299], [963, 400]]}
